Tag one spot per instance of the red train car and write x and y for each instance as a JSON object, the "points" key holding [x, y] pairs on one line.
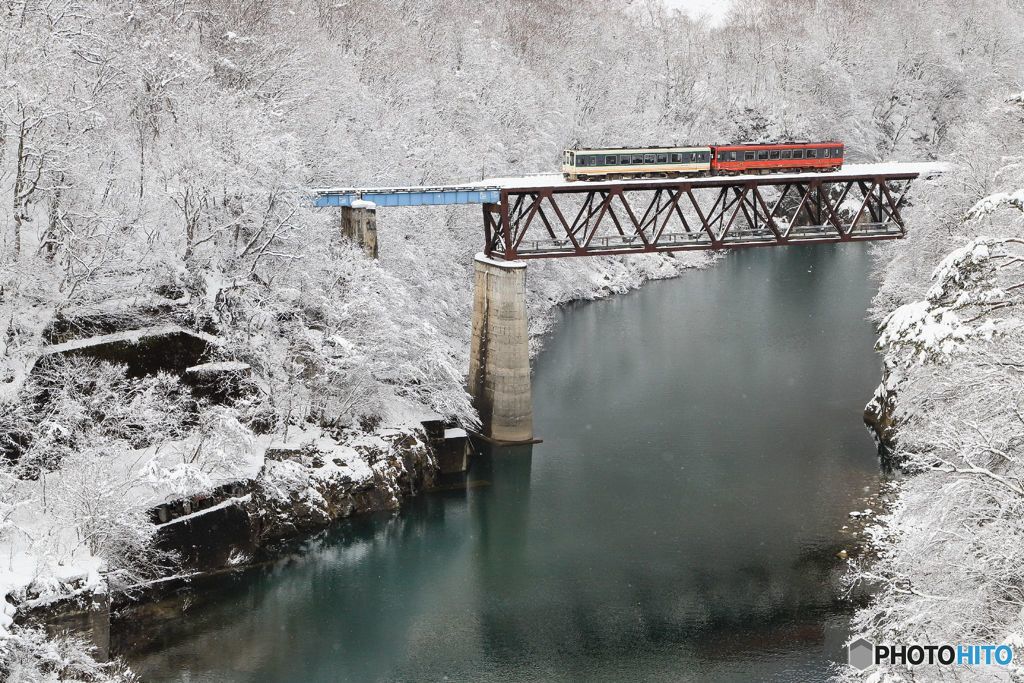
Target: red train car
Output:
{"points": [[776, 158]]}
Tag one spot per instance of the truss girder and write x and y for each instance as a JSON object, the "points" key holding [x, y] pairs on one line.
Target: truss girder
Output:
{"points": [[665, 216]]}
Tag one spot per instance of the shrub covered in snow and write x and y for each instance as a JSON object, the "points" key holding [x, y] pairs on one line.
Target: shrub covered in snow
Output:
{"points": [[950, 566]]}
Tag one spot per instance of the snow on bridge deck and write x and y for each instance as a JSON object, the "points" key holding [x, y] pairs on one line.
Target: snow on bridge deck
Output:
{"points": [[488, 191]]}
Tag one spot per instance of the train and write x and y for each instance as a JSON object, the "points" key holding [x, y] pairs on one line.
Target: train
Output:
{"points": [[672, 162]]}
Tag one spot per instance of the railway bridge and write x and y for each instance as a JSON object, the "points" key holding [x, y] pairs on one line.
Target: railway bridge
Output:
{"points": [[545, 216]]}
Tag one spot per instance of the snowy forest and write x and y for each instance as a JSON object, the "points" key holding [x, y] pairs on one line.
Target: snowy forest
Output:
{"points": [[155, 168]]}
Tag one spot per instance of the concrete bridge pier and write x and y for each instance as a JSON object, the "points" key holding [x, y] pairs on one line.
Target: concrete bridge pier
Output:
{"points": [[499, 361], [359, 224]]}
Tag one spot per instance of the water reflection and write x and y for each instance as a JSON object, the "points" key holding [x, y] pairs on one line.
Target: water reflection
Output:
{"points": [[679, 522]]}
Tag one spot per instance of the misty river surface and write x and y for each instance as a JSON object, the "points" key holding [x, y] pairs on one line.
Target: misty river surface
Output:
{"points": [[703, 447]]}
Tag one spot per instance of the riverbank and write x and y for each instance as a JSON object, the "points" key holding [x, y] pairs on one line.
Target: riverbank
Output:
{"points": [[666, 523], [251, 498], [945, 566]]}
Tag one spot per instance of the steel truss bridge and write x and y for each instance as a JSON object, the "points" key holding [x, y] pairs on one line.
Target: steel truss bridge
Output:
{"points": [[546, 216]]}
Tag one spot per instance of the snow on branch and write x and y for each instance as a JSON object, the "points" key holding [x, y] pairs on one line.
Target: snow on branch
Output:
{"points": [[994, 202], [970, 283]]}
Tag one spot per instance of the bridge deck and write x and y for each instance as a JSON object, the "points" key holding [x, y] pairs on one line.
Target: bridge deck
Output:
{"points": [[545, 216], [488, 191], [555, 181]]}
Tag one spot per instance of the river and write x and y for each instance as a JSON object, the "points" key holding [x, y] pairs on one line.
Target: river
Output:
{"points": [[702, 449]]}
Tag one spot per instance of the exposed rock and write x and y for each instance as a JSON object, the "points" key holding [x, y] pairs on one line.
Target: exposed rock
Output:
{"points": [[218, 381], [167, 348], [304, 490], [879, 416], [299, 490], [84, 612], [211, 538]]}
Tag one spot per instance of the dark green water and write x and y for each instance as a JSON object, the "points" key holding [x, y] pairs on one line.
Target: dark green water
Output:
{"points": [[702, 448]]}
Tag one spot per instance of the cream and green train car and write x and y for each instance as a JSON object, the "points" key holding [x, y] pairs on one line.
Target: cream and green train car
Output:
{"points": [[649, 162]]}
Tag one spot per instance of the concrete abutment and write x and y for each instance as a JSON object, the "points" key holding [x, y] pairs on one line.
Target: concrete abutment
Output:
{"points": [[359, 224], [499, 362]]}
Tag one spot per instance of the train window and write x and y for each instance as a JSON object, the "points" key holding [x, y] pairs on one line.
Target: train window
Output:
{"points": [[722, 156], [837, 152], [762, 155], [774, 154], [812, 154], [609, 160], [798, 154], [624, 159], [662, 158], [638, 158], [648, 158], [786, 154], [676, 157], [748, 156], [732, 156]]}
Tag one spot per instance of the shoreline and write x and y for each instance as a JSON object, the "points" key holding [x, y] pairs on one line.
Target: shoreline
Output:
{"points": [[89, 611]]}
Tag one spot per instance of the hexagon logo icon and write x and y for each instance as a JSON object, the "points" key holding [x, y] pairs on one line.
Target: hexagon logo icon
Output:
{"points": [[861, 654]]}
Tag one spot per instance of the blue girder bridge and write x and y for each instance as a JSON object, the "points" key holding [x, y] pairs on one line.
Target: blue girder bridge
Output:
{"points": [[545, 216], [409, 196]]}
